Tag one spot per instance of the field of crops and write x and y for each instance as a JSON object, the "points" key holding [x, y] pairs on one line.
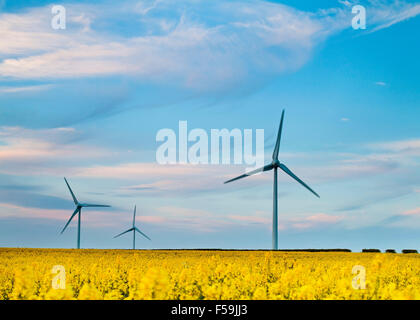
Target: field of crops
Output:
{"points": [[127, 274]]}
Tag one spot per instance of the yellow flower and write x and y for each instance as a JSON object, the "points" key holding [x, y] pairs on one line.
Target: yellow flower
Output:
{"points": [[122, 274], [89, 292]]}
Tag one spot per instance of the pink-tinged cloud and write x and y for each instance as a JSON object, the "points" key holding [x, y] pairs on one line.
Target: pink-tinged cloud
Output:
{"points": [[11, 210], [174, 217], [197, 219], [23, 150], [152, 169], [323, 218], [313, 221], [412, 212], [151, 219], [91, 217], [170, 217], [141, 170], [176, 178], [251, 219]]}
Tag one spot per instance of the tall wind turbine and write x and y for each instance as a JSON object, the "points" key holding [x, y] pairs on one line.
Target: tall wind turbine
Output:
{"points": [[275, 164], [133, 229], [78, 211]]}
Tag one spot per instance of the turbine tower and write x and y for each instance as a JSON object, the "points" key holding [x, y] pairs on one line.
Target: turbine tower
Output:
{"points": [[133, 229], [276, 164], [78, 211]]}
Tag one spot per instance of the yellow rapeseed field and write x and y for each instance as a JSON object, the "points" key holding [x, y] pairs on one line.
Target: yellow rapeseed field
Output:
{"points": [[172, 274]]}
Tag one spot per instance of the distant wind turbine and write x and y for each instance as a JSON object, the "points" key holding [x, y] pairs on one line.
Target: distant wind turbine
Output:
{"points": [[78, 210], [133, 229], [275, 164]]}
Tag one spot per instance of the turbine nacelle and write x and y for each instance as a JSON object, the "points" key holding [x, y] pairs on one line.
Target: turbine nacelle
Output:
{"points": [[276, 163], [89, 205]]}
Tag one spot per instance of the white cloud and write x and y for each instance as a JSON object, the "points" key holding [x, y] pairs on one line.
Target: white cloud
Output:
{"points": [[12, 210], [156, 178], [27, 151], [51, 152], [189, 219], [205, 45], [206, 221], [380, 83], [412, 212], [191, 51], [251, 219], [143, 7], [314, 221], [345, 2], [25, 88], [386, 16], [408, 147]]}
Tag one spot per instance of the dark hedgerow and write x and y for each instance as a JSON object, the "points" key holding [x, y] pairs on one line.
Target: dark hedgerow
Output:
{"points": [[390, 251], [409, 251], [371, 250]]}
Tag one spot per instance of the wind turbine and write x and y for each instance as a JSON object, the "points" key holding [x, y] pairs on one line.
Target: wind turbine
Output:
{"points": [[78, 210], [275, 164], [133, 229]]}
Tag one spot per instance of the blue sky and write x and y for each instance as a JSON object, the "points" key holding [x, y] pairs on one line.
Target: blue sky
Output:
{"points": [[87, 102]]}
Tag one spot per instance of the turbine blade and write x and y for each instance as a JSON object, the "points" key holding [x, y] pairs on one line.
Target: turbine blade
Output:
{"points": [[72, 194], [71, 218], [95, 205], [142, 233], [131, 229], [277, 147], [265, 168], [290, 173], [134, 216]]}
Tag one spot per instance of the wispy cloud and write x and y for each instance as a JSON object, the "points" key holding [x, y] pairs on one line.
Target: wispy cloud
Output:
{"points": [[92, 218], [251, 219], [185, 52], [25, 88], [28, 151], [206, 221], [53, 152], [191, 219], [345, 2], [183, 48], [314, 221], [408, 147], [388, 15], [14, 210], [156, 179], [412, 212], [380, 83]]}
